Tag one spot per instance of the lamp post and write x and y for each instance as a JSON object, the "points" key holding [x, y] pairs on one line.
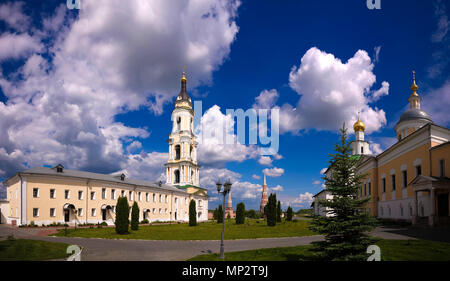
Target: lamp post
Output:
{"points": [[226, 189]]}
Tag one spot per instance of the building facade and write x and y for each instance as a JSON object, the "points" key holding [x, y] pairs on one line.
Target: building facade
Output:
{"points": [[410, 180], [57, 195]]}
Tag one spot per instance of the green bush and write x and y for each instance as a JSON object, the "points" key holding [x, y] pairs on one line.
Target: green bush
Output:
{"points": [[122, 215], [279, 212], [192, 213], [240, 213], [289, 213], [220, 214], [144, 221], [271, 210], [135, 216], [104, 224]]}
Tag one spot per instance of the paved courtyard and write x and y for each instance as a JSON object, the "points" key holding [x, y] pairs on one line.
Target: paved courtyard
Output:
{"points": [[169, 250]]}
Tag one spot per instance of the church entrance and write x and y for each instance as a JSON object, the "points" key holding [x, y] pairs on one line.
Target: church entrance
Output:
{"points": [[66, 215], [442, 205]]}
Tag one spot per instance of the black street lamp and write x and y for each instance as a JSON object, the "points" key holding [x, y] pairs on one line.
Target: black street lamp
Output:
{"points": [[226, 189]]}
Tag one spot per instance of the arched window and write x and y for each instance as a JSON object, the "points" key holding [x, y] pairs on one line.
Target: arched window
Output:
{"points": [[191, 150], [192, 176], [177, 176], [362, 149], [177, 152], [178, 123]]}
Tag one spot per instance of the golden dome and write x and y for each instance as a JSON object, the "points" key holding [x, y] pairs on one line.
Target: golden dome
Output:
{"points": [[359, 125]]}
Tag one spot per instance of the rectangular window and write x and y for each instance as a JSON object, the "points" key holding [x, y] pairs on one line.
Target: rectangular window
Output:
{"points": [[123, 193], [392, 182], [52, 193], [52, 212], [370, 188], [139, 196], [92, 195], [167, 199], [365, 189], [80, 212], [154, 197], [103, 193], [66, 194], [418, 170], [441, 168], [35, 212], [146, 197], [80, 195], [404, 179], [131, 195], [35, 192], [93, 212], [113, 194], [383, 184], [160, 198]]}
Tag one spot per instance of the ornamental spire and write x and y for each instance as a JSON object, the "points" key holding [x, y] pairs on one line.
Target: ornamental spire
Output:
{"points": [[414, 99]]}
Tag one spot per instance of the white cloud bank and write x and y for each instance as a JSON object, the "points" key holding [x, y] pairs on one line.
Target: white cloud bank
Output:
{"points": [[115, 57]]}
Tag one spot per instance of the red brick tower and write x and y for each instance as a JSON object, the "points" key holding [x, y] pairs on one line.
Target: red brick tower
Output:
{"points": [[264, 196]]}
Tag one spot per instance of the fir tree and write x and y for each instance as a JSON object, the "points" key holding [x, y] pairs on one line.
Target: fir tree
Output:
{"points": [[271, 210], [135, 216], [220, 214], [122, 215], [289, 214], [215, 214], [240, 213], [346, 228], [279, 212], [192, 214]]}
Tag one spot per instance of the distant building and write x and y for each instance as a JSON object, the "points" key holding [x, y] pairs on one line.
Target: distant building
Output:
{"points": [[229, 212], [319, 210], [264, 198]]}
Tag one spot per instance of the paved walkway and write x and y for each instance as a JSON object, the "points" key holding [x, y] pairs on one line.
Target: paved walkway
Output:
{"points": [[168, 250]]}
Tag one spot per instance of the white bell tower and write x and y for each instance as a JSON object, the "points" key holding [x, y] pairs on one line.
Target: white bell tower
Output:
{"points": [[182, 168], [359, 145]]}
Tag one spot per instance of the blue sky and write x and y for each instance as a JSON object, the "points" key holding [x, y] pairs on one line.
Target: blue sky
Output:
{"points": [[94, 89]]}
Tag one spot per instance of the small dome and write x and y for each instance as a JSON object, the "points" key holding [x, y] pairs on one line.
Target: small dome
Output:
{"points": [[414, 113], [359, 125]]}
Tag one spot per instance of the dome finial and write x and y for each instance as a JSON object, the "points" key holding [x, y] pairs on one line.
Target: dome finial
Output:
{"points": [[183, 75], [414, 87]]}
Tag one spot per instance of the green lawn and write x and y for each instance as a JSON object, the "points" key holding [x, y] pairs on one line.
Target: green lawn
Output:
{"points": [[391, 250], [31, 250], [203, 231]]}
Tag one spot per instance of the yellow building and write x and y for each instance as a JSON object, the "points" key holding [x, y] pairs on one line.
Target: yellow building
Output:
{"points": [[409, 180], [57, 195]]}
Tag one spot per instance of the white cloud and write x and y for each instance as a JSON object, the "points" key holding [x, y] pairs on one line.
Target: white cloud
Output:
{"points": [[213, 148], [12, 14], [323, 170], [376, 56], [273, 172], [436, 103], [443, 22], [277, 156], [383, 91], [303, 200], [331, 93], [63, 110], [266, 99], [277, 188], [265, 160], [256, 177], [15, 46], [316, 182]]}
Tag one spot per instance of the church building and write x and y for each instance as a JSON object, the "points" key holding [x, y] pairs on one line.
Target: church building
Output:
{"points": [[410, 180]]}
